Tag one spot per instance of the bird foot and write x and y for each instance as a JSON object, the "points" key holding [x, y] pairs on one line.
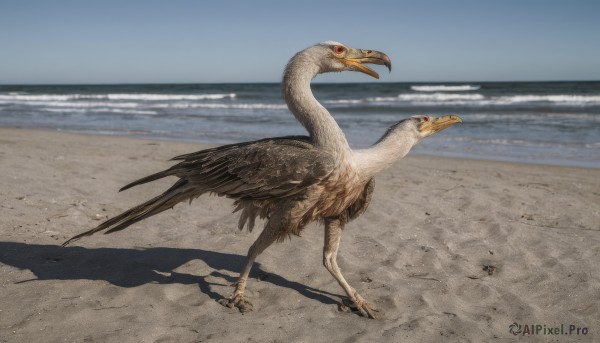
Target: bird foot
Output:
{"points": [[361, 306], [237, 300]]}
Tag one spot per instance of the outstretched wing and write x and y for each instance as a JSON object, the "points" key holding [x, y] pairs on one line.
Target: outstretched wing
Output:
{"points": [[275, 167]]}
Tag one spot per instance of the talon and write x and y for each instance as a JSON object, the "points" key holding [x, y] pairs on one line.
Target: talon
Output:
{"points": [[239, 302], [363, 308], [367, 310]]}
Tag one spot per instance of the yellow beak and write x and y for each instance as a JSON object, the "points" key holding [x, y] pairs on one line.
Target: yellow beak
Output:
{"points": [[438, 124]]}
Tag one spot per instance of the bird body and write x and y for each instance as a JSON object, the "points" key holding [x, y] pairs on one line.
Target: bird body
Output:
{"points": [[291, 181]]}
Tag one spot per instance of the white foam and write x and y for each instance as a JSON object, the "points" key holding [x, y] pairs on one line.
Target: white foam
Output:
{"points": [[41, 97], [512, 142], [126, 105], [429, 97], [445, 88], [532, 116], [476, 99], [124, 96], [106, 109], [223, 106], [559, 98], [383, 99], [80, 104], [554, 100], [344, 101], [441, 97], [167, 97]]}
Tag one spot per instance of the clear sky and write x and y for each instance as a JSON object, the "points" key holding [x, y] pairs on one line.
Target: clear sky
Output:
{"points": [[250, 41]]}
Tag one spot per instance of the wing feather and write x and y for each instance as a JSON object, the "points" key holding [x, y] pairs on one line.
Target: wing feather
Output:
{"points": [[259, 170]]}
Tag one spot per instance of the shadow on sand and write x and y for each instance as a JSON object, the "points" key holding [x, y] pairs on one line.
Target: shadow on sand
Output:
{"points": [[135, 267]]}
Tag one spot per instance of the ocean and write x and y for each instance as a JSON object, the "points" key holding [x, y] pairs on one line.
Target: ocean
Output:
{"points": [[536, 122]]}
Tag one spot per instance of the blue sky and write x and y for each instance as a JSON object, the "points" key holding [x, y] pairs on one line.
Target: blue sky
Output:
{"points": [[250, 41]]}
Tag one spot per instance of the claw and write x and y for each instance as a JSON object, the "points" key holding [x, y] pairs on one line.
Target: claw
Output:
{"points": [[363, 308], [367, 310], [237, 300]]}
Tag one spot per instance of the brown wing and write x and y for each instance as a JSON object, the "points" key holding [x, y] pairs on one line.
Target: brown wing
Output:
{"points": [[266, 169], [276, 167]]}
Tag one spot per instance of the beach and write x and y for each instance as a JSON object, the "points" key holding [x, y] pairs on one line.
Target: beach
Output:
{"points": [[450, 250]]}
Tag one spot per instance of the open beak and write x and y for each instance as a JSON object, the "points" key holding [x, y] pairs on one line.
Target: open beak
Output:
{"points": [[357, 58], [438, 124]]}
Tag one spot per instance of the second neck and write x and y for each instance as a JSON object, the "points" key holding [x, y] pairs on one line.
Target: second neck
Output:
{"points": [[323, 129], [383, 154]]}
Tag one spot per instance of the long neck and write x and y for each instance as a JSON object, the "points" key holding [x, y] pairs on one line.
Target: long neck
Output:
{"points": [[323, 129], [383, 154]]}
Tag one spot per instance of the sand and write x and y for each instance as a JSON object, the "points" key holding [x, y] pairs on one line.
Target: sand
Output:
{"points": [[450, 250]]}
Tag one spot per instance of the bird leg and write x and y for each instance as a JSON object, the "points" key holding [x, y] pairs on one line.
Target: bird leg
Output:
{"points": [[333, 233], [264, 240], [284, 220]]}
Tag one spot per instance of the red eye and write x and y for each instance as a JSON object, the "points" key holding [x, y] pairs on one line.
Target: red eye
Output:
{"points": [[425, 118], [339, 49]]}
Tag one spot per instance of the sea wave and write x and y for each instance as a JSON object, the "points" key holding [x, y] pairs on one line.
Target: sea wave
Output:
{"points": [[242, 106], [167, 97], [428, 97], [115, 96], [96, 110], [81, 104], [476, 99], [445, 88], [558, 117], [539, 143], [344, 101], [558, 98], [130, 104]]}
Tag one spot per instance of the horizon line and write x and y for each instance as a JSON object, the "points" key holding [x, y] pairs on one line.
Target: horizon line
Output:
{"points": [[277, 82]]}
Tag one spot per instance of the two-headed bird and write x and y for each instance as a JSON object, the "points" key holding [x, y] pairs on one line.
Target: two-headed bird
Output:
{"points": [[292, 181]]}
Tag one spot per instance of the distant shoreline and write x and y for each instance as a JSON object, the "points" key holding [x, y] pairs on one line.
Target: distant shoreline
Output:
{"points": [[316, 82]]}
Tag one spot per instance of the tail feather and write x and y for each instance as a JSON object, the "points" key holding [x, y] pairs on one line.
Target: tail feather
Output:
{"points": [[174, 195], [147, 179]]}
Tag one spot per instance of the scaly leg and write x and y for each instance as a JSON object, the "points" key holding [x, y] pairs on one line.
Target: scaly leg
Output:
{"points": [[333, 233], [266, 238]]}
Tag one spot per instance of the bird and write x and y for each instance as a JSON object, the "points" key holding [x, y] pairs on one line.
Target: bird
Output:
{"points": [[292, 181]]}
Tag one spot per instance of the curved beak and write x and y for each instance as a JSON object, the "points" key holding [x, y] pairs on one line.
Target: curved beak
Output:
{"points": [[438, 124], [357, 58]]}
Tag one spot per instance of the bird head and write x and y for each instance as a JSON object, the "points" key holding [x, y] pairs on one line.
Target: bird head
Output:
{"points": [[410, 131], [425, 126], [336, 57], [398, 140]]}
